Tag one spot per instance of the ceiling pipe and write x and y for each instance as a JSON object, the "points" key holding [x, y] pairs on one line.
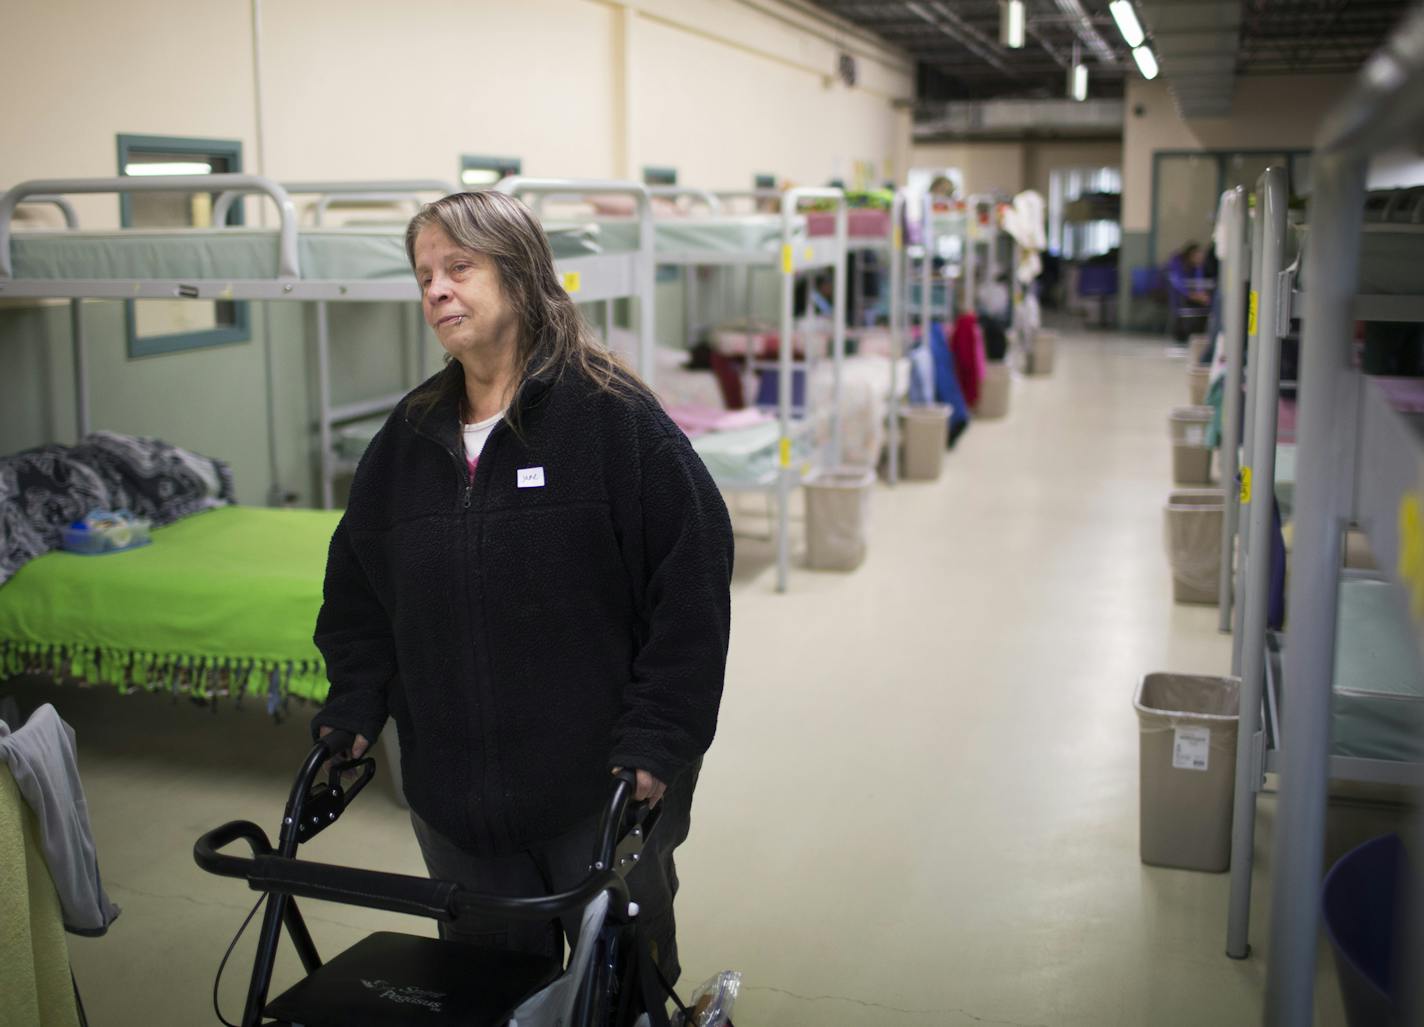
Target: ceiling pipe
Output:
{"points": [[965, 35], [1087, 31]]}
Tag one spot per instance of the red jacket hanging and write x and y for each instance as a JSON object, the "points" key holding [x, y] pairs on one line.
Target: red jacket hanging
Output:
{"points": [[967, 348]]}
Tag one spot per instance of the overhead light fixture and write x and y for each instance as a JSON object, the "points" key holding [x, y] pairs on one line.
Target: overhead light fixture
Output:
{"points": [[1146, 62], [480, 176], [1078, 82], [1011, 24], [1127, 23], [171, 167]]}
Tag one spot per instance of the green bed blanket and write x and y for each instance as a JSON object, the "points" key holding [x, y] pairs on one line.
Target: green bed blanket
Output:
{"points": [[223, 601]]}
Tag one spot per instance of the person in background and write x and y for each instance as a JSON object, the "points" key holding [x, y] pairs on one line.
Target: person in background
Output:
{"points": [[1188, 291], [532, 579]]}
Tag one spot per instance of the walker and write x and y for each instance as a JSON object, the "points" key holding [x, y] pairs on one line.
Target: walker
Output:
{"points": [[391, 979]]}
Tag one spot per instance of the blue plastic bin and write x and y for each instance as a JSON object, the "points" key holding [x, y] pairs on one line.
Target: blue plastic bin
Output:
{"points": [[1361, 898]]}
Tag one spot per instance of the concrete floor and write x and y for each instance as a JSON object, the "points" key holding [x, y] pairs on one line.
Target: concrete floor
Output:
{"points": [[921, 808]]}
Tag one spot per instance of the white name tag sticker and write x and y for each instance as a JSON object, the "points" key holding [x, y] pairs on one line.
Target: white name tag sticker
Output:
{"points": [[530, 478], [1191, 747]]}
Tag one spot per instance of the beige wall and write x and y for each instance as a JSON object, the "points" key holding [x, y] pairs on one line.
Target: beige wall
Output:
{"points": [[1266, 112], [721, 89], [1013, 167], [356, 89]]}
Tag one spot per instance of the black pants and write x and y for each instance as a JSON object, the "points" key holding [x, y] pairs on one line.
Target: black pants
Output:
{"points": [[559, 865]]}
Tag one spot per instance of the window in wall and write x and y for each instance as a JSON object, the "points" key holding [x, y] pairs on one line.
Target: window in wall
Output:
{"points": [[764, 182], [1187, 186], [657, 174], [477, 172], [1084, 211], [167, 326]]}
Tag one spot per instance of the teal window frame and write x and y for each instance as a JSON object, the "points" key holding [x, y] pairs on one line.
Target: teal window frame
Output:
{"points": [[240, 330], [659, 174], [506, 166], [763, 181]]}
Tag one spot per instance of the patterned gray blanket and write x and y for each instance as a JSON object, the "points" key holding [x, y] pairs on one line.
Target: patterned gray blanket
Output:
{"points": [[44, 489]]}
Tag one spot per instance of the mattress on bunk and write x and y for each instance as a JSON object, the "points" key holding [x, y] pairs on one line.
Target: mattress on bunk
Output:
{"points": [[1390, 257], [741, 456], [222, 599], [1285, 479], [1378, 701], [351, 440], [341, 254], [860, 224], [751, 233]]}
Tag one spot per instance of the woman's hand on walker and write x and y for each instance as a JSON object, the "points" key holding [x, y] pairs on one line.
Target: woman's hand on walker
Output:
{"points": [[649, 788], [357, 750]]}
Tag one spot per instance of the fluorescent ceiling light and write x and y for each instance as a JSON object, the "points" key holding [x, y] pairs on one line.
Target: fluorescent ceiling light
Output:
{"points": [[1127, 23], [480, 176], [1078, 82], [1011, 24], [1146, 62], [171, 167]]}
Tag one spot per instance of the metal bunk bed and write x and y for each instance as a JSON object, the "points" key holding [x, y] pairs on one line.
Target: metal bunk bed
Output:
{"points": [[684, 243], [288, 263], [334, 458], [1360, 460]]}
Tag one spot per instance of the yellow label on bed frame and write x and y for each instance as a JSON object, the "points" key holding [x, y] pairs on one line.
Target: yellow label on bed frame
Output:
{"points": [[785, 452], [809, 253], [898, 238], [1245, 485], [572, 282], [1411, 551], [788, 263], [1251, 316]]}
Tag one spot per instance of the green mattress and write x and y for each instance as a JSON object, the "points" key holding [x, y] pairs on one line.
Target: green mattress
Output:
{"points": [[220, 601], [1378, 701], [748, 457], [750, 233], [325, 254]]}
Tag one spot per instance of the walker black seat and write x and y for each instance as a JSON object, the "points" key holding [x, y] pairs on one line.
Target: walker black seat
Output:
{"points": [[395, 980]]}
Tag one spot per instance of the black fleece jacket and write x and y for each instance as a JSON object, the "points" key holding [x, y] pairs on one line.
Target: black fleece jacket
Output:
{"points": [[528, 629]]}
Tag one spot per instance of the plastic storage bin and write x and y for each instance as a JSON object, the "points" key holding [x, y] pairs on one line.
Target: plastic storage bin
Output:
{"points": [[1187, 737], [1191, 459], [1198, 378], [1196, 346], [1041, 351], [994, 391], [1361, 903], [1193, 525], [837, 515], [925, 430]]}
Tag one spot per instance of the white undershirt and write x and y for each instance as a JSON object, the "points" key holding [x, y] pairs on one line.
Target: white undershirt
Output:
{"points": [[475, 436]]}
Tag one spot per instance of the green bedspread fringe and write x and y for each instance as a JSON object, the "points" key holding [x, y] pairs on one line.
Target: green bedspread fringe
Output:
{"points": [[203, 677]]}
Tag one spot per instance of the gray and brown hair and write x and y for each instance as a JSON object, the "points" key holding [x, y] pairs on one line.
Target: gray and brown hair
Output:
{"points": [[553, 335]]}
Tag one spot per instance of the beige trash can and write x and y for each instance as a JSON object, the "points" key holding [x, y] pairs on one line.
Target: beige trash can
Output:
{"points": [[994, 392], [1193, 524], [1191, 459], [1197, 345], [837, 516], [1187, 751], [925, 430], [1041, 352], [1198, 379]]}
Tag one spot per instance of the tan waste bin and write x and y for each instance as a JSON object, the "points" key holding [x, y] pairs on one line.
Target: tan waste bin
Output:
{"points": [[994, 392], [837, 516], [925, 430], [1187, 751], [1191, 459], [1041, 352], [1193, 524], [1197, 345], [1198, 378]]}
